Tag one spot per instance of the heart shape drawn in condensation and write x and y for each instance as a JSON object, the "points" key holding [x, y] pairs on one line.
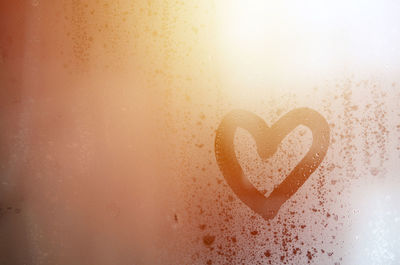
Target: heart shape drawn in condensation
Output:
{"points": [[267, 141]]}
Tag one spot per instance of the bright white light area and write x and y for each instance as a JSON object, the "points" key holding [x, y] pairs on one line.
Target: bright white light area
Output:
{"points": [[262, 42], [244, 24]]}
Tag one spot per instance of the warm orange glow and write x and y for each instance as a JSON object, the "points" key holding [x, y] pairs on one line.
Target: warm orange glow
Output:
{"points": [[109, 111]]}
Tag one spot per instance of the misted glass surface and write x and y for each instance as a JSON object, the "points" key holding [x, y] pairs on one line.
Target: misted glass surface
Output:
{"points": [[199, 132]]}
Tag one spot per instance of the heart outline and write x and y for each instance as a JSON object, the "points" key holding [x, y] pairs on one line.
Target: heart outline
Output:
{"points": [[269, 138]]}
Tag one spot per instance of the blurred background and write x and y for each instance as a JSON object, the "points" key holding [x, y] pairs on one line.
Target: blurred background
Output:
{"points": [[108, 113]]}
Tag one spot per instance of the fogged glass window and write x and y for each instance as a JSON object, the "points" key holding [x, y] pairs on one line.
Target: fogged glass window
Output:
{"points": [[199, 132]]}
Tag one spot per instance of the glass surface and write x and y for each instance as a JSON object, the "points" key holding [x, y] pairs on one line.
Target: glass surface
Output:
{"points": [[199, 132]]}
